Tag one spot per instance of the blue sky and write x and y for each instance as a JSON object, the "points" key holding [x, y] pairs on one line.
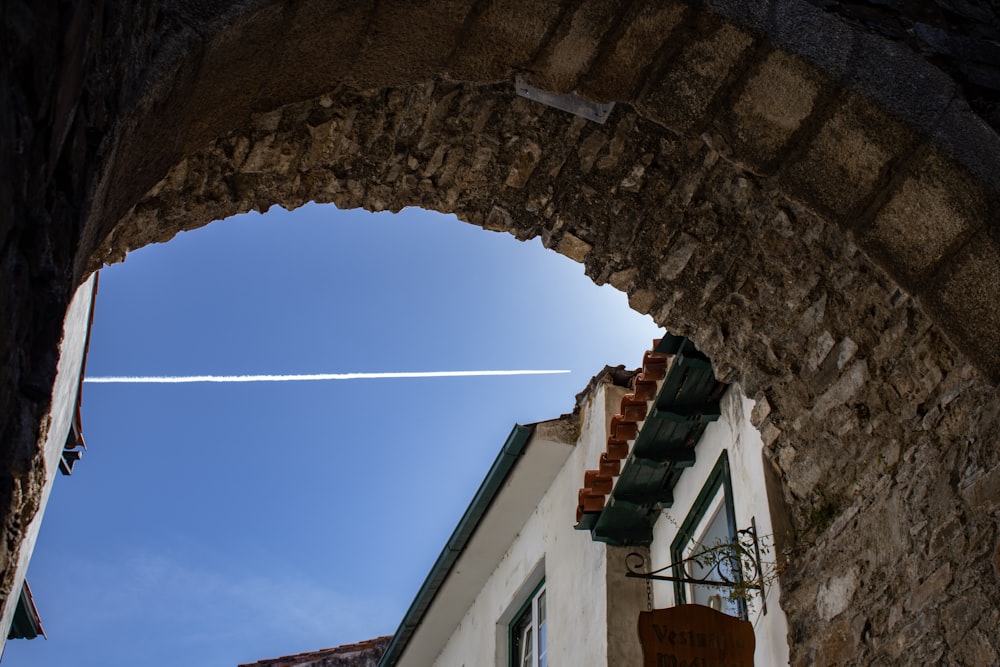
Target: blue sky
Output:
{"points": [[227, 523]]}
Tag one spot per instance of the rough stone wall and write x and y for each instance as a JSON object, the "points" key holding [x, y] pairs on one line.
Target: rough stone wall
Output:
{"points": [[962, 38], [824, 229]]}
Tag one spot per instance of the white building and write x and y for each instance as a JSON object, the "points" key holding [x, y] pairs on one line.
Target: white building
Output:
{"points": [[536, 572], [63, 447]]}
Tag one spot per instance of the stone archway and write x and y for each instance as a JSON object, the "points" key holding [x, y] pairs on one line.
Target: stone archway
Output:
{"points": [[821, 227]]}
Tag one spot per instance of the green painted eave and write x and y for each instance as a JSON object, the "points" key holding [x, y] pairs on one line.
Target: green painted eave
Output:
{"points": [[26, 624], [502, 467], [688, 400]]}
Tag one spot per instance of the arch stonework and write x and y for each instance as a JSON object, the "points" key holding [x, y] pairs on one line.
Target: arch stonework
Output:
{"points": [[815, 206]]}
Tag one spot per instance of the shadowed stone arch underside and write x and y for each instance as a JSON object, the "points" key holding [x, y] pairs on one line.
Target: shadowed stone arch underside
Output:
{"points": [[815, 206]]}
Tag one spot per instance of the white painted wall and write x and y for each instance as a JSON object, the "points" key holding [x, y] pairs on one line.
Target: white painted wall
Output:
{"points": [[734, 432], [574, 568], [584, 579], [55, 429]]}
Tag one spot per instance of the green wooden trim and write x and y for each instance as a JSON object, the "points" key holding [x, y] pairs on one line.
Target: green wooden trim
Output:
{"points": [[719, 478], [504, 464], [687, 402], [516, 617]]}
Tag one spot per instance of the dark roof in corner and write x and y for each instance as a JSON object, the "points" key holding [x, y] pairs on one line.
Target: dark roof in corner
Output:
{"points": [[27, 624], [361, 654], [512, 450]]}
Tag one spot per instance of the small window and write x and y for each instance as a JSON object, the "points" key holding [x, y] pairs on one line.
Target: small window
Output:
{"points": [[711, 523], [528, 643]]}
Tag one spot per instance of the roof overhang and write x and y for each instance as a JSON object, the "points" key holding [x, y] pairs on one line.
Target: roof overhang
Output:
{"points": [[522, 473], [27, 623], [652, 442]]}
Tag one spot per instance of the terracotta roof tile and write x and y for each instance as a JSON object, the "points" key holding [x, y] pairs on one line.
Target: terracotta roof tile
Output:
{"points": [[361, 654], [624, 427]]}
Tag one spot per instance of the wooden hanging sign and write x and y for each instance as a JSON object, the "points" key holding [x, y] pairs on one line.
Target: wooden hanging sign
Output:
{"points": [[693, 635]]}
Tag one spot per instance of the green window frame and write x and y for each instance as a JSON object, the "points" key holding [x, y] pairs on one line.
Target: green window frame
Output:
{"points": [[527, 633], [685, 543]]}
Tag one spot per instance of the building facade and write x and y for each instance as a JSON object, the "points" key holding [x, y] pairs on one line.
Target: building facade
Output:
{"points": [[542, 570]]}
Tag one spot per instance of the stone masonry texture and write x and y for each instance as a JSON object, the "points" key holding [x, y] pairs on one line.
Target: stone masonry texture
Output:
{"points": [[802, 188]]}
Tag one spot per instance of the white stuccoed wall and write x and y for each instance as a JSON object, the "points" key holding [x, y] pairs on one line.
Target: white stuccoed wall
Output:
{"points": [[732, 431], [588, 623], [575, 568]]}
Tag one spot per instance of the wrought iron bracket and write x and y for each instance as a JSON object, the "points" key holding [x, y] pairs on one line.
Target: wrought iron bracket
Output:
{"points": [[744, 552]]}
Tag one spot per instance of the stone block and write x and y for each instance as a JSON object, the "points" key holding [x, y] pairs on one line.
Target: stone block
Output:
{"points": [[408, 41], [502, 39], [278, 50], [769, 434], [573, 247], [899, 81], [846, 158], [619, 74], [977, 650], [932, 213], [523, 164], [678, 256], [963, 135], [792, 25], [948, 539], [776, 100], [983, 493], [307, 54], [931, 590], [761, 410], [843, 390], [642, 300], [959, 615], [574, 46], [835, 595], [965, 295], [750, 15], [681, 97], [839, 645]]}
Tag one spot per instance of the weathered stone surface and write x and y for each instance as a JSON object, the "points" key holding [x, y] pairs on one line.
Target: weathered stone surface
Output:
{"points": [[883, 415], [510, 27], [847, 157], [616, 76], [970, 279], [776, 99], [681, 96], [405, 40], [933, 212], [835, 595], [574, 45]]}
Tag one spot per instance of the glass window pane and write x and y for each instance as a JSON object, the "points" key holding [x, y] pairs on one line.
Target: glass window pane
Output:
{"points": [[542, 643], [526, 647], [528, 634], [714, 532]]}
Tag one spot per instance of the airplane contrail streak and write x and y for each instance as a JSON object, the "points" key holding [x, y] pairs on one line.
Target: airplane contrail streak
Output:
{"points": [[185, 379]]}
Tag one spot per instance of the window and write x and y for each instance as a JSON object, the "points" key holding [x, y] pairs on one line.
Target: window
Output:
{"points": [[528, 643], [711, 523]]}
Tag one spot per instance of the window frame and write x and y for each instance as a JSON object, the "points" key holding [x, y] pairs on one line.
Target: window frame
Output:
{"points": [[719, 478], [528, 607]]}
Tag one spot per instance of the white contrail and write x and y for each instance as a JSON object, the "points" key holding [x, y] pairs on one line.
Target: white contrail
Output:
{"points": [[182, 379]]}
